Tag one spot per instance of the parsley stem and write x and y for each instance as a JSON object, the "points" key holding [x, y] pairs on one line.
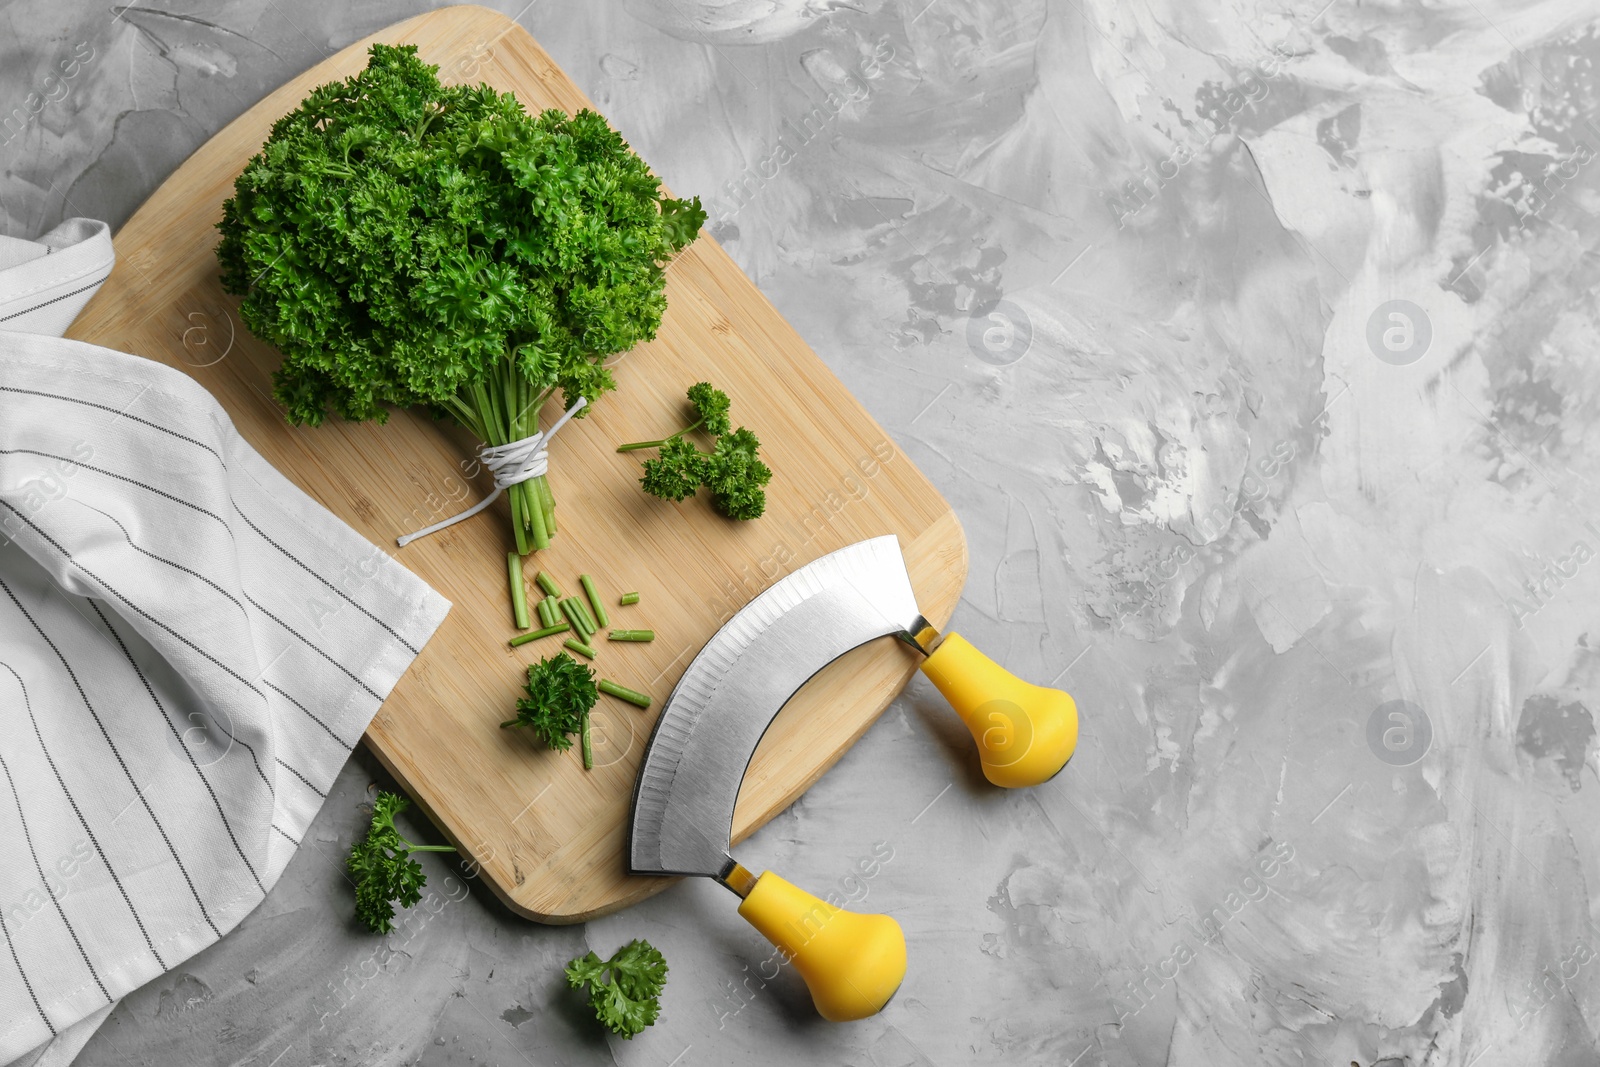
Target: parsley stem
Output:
{"points": [[548, 584], [492, 423], [635, 446], [631, 635], [519, 593], [588, 620], [534, 509], [622, 692], [548, 502], [527, 511], [433, 113], [500, 407], [468, 417], [580, 647], [629, 598], [425, 848], [600, 618], [508, 398], [492, 426], [574, 613], [518, 532], [540, 505], [588, 748], [534, 635]]}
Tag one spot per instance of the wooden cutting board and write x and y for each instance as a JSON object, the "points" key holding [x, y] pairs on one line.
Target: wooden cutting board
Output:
{"points": [[548, 835]]}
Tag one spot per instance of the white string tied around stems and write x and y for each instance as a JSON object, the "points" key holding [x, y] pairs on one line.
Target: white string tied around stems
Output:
{"points": [[511, 464]]}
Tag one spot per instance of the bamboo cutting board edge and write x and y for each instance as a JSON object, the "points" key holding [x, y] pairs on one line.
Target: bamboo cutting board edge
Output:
{"points": [[565, 864]]}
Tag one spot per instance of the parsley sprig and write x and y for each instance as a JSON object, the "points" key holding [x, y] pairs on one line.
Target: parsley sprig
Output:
{"points": [[382, 867], [732, 470], [409, 244], [625, 990]]}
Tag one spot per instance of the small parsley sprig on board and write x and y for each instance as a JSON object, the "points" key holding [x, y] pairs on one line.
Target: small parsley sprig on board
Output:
{"points": [[561, 693], [732, 470]]}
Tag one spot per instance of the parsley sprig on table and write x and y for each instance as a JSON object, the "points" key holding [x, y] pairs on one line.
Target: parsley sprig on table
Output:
{"points": [[382, 867], [732, 470], [625, 991], [409, 244]]}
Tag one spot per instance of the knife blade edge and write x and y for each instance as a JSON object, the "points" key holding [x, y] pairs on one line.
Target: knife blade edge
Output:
{"points": [[866, 582]]}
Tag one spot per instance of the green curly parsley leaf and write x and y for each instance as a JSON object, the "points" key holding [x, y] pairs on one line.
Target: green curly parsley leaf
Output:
{"points": [[712, 405], [682, 219], [625, 990], [736, 476], [676, 474]]}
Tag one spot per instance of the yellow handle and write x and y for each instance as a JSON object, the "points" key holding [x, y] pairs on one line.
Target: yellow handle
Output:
{"points": [[851, 963], [1025, 732]]}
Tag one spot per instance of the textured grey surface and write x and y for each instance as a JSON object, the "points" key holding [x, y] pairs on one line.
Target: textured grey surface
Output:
{"points": [[1253, 343]]}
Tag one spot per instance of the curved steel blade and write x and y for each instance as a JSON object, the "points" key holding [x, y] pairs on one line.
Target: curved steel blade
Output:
{"points": [[684, 796]]}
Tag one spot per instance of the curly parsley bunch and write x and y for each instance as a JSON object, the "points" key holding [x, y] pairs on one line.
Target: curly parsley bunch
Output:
{"points": [[405, 243]]}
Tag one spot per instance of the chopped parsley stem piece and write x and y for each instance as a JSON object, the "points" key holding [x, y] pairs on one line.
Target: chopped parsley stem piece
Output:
{"points": [[622, 692], [579, 647], [588, 620], [519, 593], [543, 608], [548, 584], [600, 618], [534, 635], [574, 613], [629, 598], [588, 746], [631, 635]]}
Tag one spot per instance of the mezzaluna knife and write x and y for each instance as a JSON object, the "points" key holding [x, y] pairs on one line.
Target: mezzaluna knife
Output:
{"points": [[689, 779]]}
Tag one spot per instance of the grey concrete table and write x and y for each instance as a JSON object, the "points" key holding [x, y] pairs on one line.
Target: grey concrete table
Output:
{"points": [[1254, 345]]}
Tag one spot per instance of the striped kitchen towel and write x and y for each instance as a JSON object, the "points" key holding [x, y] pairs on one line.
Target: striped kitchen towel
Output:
{"points": [[189, 648]]}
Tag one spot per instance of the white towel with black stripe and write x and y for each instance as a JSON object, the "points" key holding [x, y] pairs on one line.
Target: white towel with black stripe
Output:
{"points": [[189, 648]]}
